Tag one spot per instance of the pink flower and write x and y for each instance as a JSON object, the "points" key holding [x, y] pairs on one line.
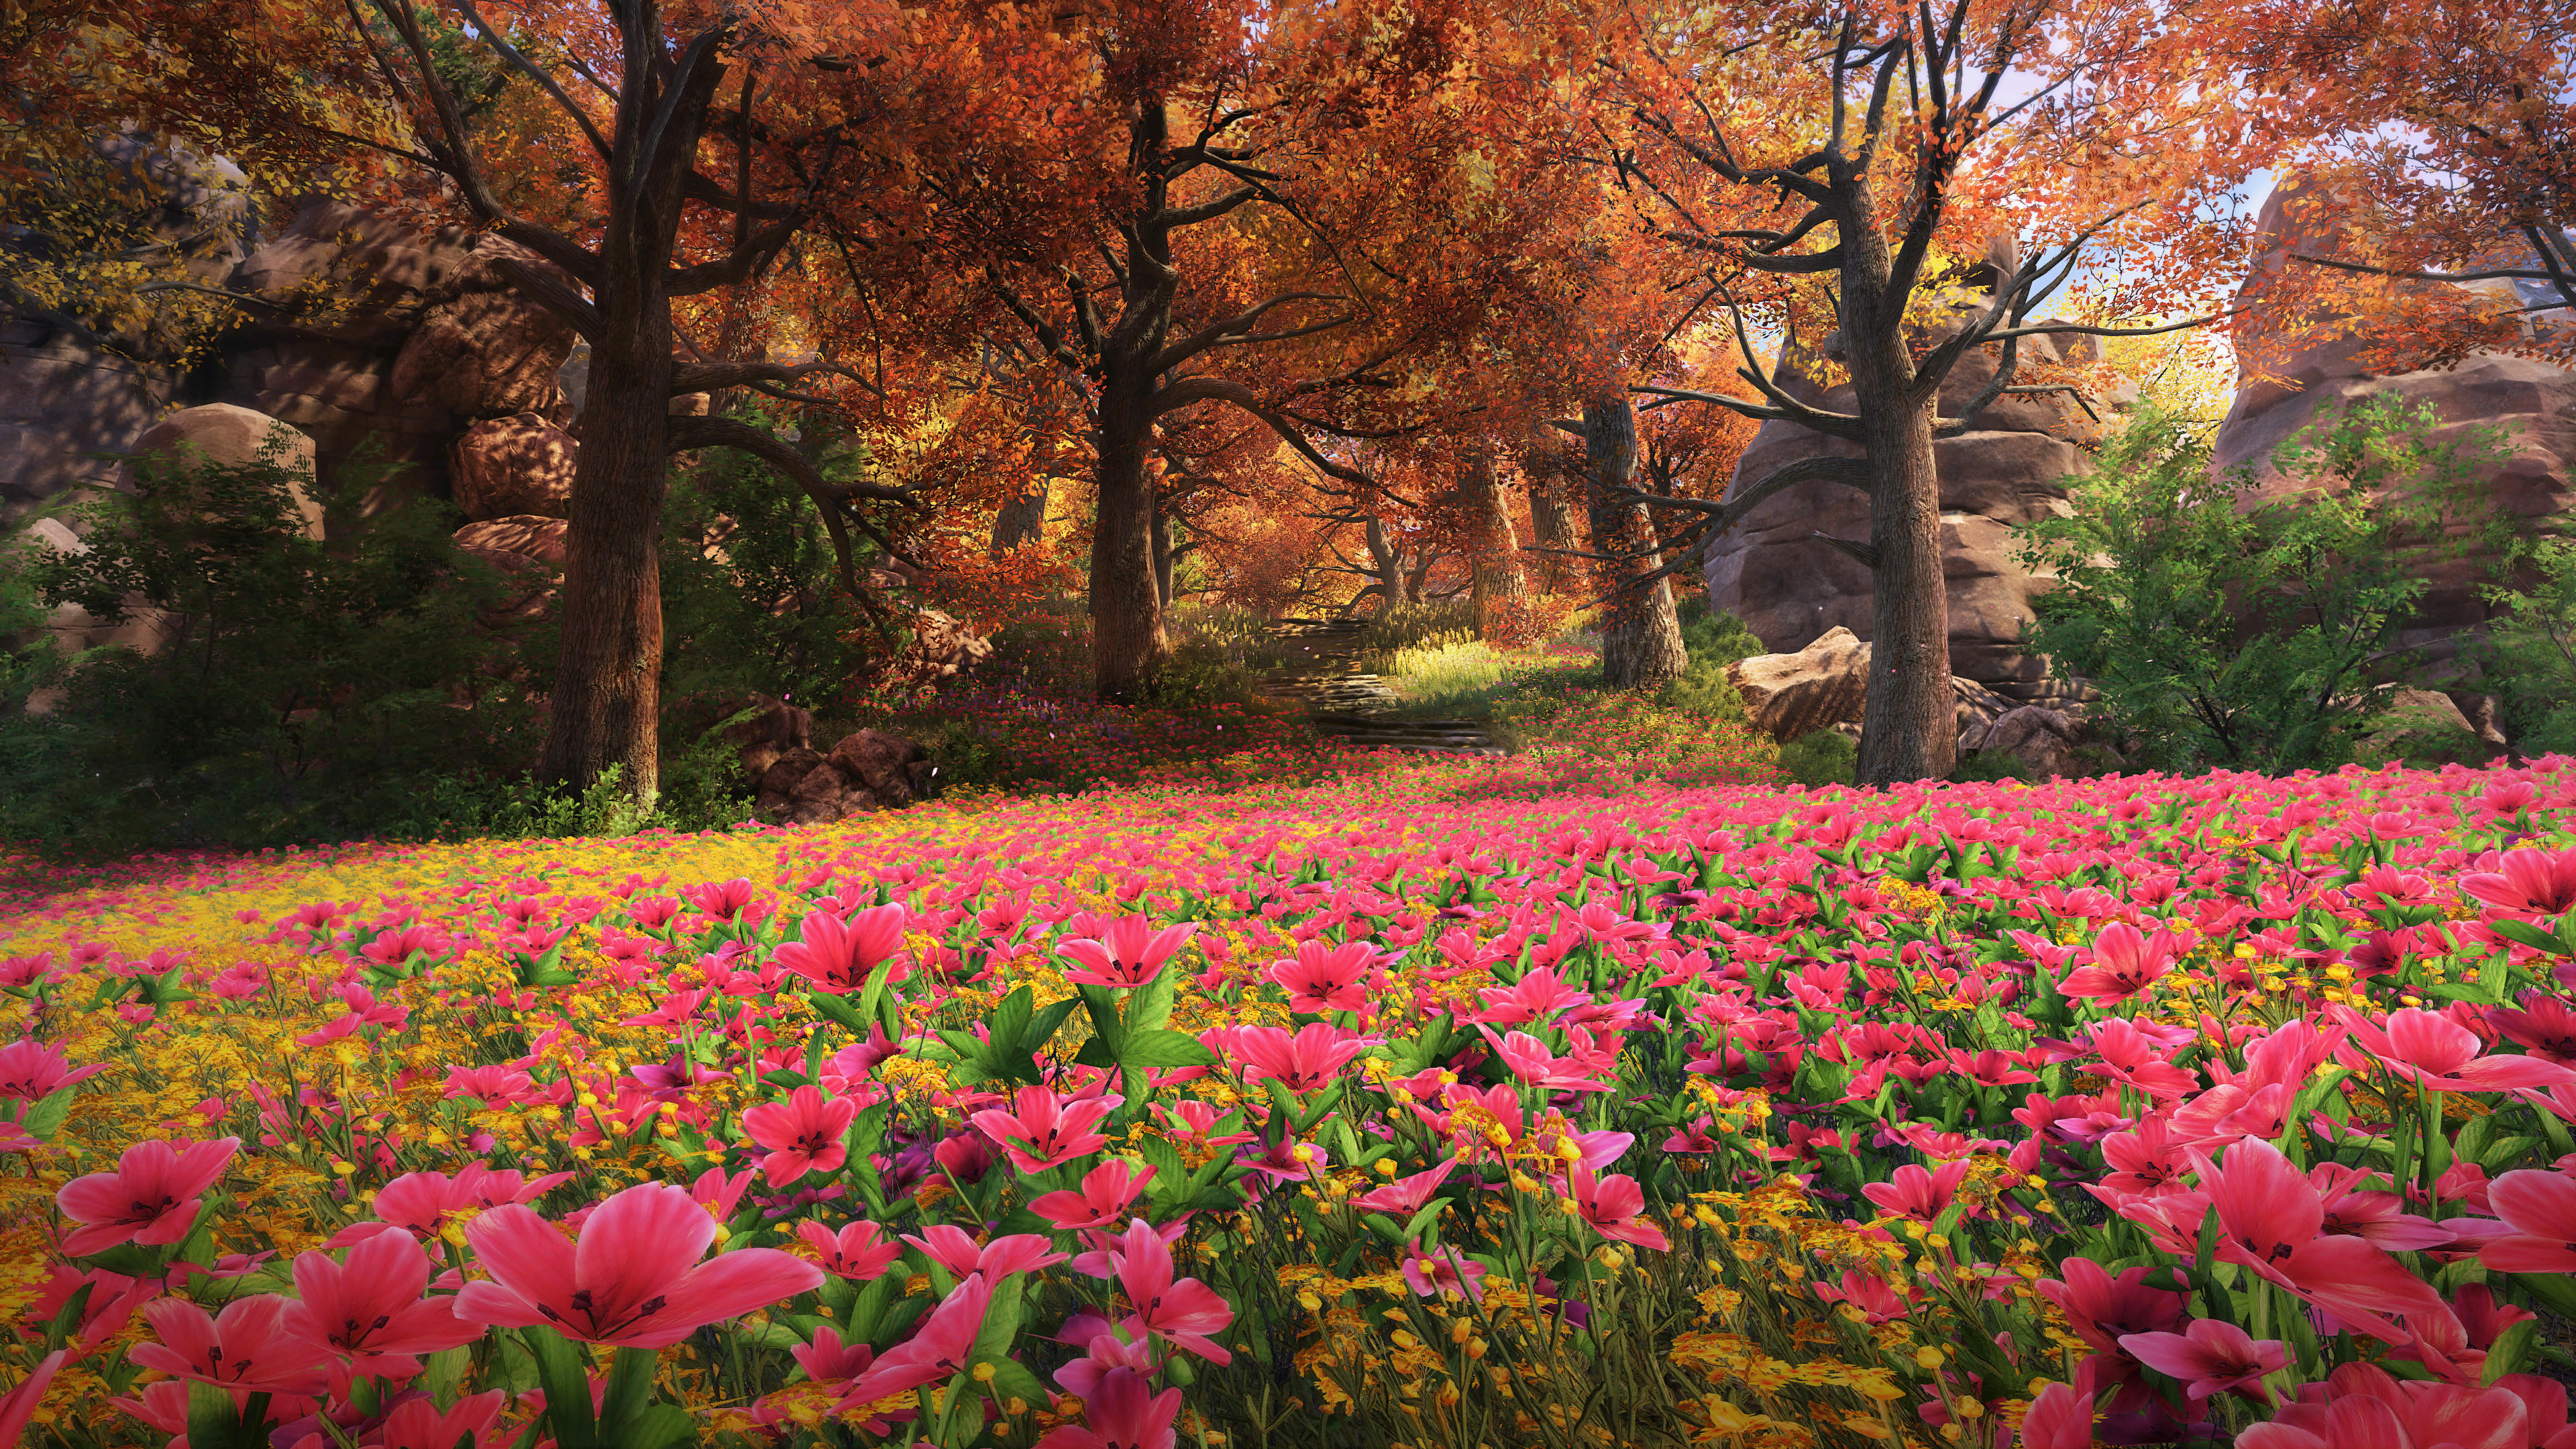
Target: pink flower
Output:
{"points": [[19, 1404], [2540, 1210], [370, 1310], [722, 900], [1446, 1272], [837, 957], [473, 1423], [31, 1070], [1911, 1192], [1106, 1191], [828, 1360], [936, 1350], [2443, 1056], [1129, 953], [1325, 977], [1122, 1412], [1044, 1129], [1614, 1206], [2210, 1357], [853, 1252], [1406, 1195], [2363, 1408], [2545, 1024], [2539, 882], [953, 1249], [633, 1279], [246, 1347], [151, 1197], [1183, 1310], [1301, 1063], [1538, 995], [2061, 1417], [802, 1134], [424, 1203], [2124, 963]]}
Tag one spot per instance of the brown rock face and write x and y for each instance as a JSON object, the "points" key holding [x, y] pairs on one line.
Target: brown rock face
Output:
{"points": [[1790, 588], [526, 534], [769, 736], [515, 465], [227, 436], [1820, 686], [869, 770], [2537, 482], [482, 350], [2044, 739]]}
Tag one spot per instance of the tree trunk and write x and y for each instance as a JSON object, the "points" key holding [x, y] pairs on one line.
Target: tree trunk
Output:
{"points": [[1394, 588], [1162, 554], [1493, 550], [1641, 636], [1909, 730], [605, 709], [1021, 521], [1551, 513], [1128, 645]]}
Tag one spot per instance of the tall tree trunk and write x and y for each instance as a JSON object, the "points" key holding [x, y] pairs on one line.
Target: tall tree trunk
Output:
{"points": [[1641, 637], [1493, 550], [1162, 553], [605, 708], [1910, 727], [1128, 645], [1393, 584], [1551, 512], [1021, 521]]}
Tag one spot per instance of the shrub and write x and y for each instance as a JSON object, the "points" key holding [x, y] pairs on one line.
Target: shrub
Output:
{"points": [[2251, 638], [1714, 639], [2530, 655], [1821, 758], [300, 690]]}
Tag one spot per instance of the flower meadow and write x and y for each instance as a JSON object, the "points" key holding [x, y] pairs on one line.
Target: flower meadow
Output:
{"points": [[2132, 1110]]}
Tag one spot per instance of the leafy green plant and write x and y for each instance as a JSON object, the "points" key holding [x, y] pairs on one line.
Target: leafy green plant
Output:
{"points": [[297, 689], [1820, 758], [1713, 639], [2530, 654], [2253, 638]]}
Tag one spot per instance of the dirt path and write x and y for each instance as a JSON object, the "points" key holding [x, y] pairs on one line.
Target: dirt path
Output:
{"points": [[1325, 682]]}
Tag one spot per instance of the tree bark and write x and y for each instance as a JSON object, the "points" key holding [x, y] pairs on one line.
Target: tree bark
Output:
{"points": [[1395, 586], [1163, 556], [1641, 635], [1128, 645], [1909, 726], [1551, 512], [1493, 548]]}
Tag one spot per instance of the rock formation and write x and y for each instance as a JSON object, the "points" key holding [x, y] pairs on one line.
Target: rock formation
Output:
{"points": [[868, 770], [520, 464], [2286, 378], [1791, 588]]}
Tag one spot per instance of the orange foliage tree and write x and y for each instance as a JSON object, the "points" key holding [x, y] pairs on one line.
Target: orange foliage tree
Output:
{"points": [[1853, 162]]}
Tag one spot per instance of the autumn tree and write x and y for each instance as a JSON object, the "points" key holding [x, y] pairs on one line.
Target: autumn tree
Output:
{"points": [[1842, 167], [2441, 143]]}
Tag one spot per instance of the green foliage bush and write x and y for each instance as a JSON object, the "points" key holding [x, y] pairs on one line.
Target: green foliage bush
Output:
{"points": [[1822, 757], [752, 600], [1713, 639], [2252, 638], [2530, 655], [302, 690]]}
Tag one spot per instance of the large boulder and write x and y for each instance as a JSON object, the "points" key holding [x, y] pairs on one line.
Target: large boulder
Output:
{"points": [[527, 534], [1776, 574], [1820, 686], [482, 349], [229, 436], [774, 729], [867, 770], [2296, 368], [520, 464], [70, 403], [2043, 739]]}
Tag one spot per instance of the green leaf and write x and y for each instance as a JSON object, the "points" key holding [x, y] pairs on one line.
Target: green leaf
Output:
{"points": [[2532, 936], [46, 1117], [565, 1378], [1156, 1050]]}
